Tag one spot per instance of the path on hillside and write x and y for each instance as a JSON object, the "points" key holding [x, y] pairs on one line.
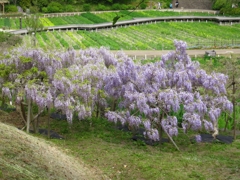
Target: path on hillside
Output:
{"points": [[193, 4], [136, 21], [146, 54]]}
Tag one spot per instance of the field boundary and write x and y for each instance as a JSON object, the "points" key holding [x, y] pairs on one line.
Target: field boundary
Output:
{"points": [[151, 54], [137, 21]]}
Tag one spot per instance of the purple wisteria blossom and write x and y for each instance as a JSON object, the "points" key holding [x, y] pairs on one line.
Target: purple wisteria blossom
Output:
{"points": [[198, 138], [156, 90], [88, 81]]}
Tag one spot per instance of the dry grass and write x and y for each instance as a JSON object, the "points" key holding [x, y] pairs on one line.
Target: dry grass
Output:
{"points": [[26, 157]]}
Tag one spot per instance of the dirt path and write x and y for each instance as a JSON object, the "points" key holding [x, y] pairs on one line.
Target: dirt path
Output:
{"points": [[155, 53]]}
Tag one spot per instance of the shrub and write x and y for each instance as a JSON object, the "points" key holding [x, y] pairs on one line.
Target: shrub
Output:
{"points": [[11, 8], [230, 11], [143, 6], [236, 11], [86, 7], [116, 6], [42, 3], [9, 39], [101, 7], [130, 7], [24, 4], [44, 10], [13, 40], [34, 9], [219, 4], [123, 7], [69, 8], [54, 7]]}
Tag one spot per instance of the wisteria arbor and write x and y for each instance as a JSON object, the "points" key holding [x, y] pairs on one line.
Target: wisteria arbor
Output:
{"points": [[149, 94], [93, 80]]}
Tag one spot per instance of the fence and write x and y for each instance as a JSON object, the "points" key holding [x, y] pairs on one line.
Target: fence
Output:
{"points": [[218, 43]]}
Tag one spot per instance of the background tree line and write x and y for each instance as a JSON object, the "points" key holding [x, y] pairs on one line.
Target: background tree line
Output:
{"points": [[227, 7], [54, 6]]}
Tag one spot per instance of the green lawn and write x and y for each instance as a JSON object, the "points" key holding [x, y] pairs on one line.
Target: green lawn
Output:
{"points": [[119, 157]]}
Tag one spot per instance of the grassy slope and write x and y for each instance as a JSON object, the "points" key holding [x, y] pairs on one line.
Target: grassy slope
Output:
{"points": [[119, 157], [23, 156]]}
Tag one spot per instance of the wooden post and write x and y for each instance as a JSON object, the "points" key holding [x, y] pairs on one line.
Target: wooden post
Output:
{"points": [[234, 106], [2, 3]]}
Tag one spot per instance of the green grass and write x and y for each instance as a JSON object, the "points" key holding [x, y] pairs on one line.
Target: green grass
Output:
{"points": [[119, 157], [152, 36]]}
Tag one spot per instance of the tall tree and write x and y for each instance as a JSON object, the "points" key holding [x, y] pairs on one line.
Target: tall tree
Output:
{"points": [[33, 25]]}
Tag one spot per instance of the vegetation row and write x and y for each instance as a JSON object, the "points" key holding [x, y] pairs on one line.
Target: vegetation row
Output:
{"points": [[92, 18], [153, 36]]}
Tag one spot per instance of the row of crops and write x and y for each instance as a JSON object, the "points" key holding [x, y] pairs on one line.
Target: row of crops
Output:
{"points": [[153, 36], [91, 18]]}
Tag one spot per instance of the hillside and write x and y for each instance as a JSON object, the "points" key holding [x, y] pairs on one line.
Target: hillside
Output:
{"points": [[194, 4], [26, 157]]}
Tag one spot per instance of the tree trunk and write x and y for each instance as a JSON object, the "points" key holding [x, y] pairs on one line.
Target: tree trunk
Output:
{"points": [[114, 104], [226, 121], [29, 114], [35, 121], [48, 123]]}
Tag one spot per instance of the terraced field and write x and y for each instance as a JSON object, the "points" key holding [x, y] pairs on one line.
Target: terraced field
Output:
{"points": [[92, 18], [155, 36]]}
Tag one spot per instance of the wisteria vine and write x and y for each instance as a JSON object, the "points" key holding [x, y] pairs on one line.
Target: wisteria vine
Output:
{"points": [[85, 82]]}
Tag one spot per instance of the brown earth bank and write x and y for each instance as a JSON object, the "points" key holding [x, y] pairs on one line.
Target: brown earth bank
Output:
{"points": [[24, 156]]}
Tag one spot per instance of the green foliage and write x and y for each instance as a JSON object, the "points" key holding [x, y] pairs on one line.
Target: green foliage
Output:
{"points": [[131, 7], [69, 8], [7, 39], [33, 23], [124, 7], [34, 9], [42, 3], [116, 6], [226, 8], [101, 7], [25, 59], [94, 18], [6, 70], [86, 7], [230, 11], [116, 18], [218, 4], [11, 8], [25, 4], [54, 7], [143, 5], [44, 9], [7, 23]]}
